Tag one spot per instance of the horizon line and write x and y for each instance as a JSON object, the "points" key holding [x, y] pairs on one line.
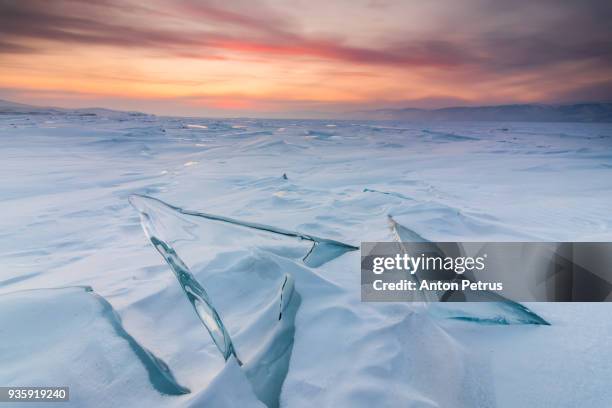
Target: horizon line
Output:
{"points": [[348, 112]]}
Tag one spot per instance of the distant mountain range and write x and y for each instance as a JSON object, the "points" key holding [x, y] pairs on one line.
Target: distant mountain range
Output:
{"points": [[14, 108], [582, 112]]}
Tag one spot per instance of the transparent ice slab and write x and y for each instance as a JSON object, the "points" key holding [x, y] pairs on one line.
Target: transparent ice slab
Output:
{"points": [[479, 307], [237, 276]]}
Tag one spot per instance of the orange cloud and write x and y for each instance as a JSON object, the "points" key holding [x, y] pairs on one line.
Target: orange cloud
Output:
{"points": [[249, 57]]}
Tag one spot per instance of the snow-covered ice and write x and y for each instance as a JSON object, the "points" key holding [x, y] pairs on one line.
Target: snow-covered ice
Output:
{"points": [[67, 223]]}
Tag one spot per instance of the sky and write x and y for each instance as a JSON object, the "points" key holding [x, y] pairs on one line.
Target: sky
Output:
{"points": [[303, 58]]}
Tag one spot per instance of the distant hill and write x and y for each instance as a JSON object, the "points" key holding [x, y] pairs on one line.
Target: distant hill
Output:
{"points": [[14, 108], [582, 112]]}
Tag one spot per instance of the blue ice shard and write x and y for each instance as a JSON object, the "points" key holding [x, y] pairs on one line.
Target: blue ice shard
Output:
{"points": [[478, 306], [237, 276], [62, 335]]}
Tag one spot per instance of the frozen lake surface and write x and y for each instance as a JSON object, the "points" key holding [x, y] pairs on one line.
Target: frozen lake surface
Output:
{"points": [[66, 221]]}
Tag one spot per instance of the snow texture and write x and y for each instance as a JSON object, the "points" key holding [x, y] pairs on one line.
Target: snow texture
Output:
{"points": [[66, 221]]}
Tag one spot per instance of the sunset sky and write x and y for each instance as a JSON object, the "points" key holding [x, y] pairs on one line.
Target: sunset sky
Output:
{"points": [[302, 57]]}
